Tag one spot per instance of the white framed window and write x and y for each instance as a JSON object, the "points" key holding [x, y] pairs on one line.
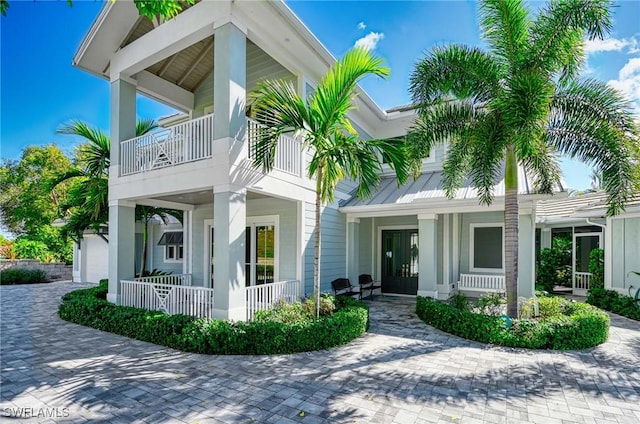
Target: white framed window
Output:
{"points": [[173, 246], [486, 247], [262, 248]]}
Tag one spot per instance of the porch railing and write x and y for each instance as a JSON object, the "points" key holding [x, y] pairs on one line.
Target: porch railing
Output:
{"points": [[483, 283], [288, 153], [266, 296], [581, 280], [182, 143], [174, 279], [168, 298]]}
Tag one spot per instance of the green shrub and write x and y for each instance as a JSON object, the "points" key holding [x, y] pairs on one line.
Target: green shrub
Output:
{"points": [[459, 301], [596, 268], [552, 267], [490, 304], [613, 301], [262, 336], [32, 249], [327, 305], [578, 326], [22, 276]]}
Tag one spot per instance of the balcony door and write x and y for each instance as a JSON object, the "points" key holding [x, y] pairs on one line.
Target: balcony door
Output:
{"points": [[399, 262]]}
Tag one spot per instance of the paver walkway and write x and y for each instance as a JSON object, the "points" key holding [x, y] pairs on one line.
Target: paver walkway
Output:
{"points": [[402, 371]]}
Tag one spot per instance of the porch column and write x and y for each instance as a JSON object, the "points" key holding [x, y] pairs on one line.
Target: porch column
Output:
{"points": [[229, 215], [123, 119], [526, 254], [545, 238], [353, 249], [230, 80], [428, 255], [122, 229]]}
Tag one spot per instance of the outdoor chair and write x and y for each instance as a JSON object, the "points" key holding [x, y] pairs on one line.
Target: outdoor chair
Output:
{"points": [[366, 283]]}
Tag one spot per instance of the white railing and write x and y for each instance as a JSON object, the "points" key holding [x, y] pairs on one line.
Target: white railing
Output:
{"points": [[266, 296], [174, 279], [288, 152], [581, 280], [484, 283], [186, 142], [168, 298]]}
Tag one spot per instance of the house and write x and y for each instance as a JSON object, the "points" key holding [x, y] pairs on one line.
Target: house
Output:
{"points": [[583, 218], [243, 229]]}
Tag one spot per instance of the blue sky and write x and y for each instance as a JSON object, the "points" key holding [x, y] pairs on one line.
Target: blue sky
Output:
{"points": [[39, 89]]}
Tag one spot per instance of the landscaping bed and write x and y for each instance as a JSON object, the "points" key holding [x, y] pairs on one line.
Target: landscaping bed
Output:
{"points": [[615, 302], [13, 276], [288, 329], [562, 324]]}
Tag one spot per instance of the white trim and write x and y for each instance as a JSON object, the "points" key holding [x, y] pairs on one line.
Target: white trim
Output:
{"points": [[608, 259], [300, 242], [573, 254], [456, 247], [472, 227], [206, 252], [253, 221], [446, 275], [433, 216], [379, 242]]}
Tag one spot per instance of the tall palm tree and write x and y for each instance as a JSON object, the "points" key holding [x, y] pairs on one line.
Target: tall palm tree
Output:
{"points": [[144, 215], [87, 204], [327, 132], [521, 103]]}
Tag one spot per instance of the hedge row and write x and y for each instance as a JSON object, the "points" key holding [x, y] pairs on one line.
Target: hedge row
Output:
{"points": [[89, 307], [615, 302], [577, 327], [22, 276]]}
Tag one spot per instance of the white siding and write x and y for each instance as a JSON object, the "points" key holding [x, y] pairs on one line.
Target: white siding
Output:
{"points": [[95, 259], [625, 252]]}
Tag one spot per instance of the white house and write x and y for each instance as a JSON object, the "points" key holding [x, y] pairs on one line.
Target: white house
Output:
{"points": [[244, 229]]}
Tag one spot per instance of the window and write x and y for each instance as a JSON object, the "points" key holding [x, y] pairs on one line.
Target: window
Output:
{"points": [[261, 244], [486, 248], [173, 246]]}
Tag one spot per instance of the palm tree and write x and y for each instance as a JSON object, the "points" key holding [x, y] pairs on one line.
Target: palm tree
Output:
{"points": [[521, 103], [328, 134], [87, 204], [144, 215]]}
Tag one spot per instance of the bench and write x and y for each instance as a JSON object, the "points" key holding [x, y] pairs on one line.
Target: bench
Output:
{"points": [[343, 287], [482, 283]]}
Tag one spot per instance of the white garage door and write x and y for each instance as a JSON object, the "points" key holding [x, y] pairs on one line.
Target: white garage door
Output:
{"points": [[95, 259]]}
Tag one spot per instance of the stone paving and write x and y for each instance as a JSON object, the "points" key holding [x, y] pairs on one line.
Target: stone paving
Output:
{"points": [[402, 371]]}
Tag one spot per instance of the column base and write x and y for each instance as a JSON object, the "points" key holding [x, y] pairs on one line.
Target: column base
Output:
{"points": [[428, 293], [113, 298], [236, 314]]}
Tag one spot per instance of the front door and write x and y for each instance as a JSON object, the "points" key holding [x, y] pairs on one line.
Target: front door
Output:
{"points": [[400, 261]]}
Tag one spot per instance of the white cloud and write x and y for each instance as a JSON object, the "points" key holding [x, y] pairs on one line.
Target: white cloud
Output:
{"points": [[611, 45], [362, 25], [628, 82], [369, 41]]}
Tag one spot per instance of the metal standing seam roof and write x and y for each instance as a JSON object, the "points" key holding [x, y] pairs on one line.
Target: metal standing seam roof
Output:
{"points": [[429, 186], [586, 204]]}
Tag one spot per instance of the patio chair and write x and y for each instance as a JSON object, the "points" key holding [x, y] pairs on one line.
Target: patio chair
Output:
{"points": [[366, 283]]}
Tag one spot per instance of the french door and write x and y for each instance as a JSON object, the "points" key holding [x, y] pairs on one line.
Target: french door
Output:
{"points": [[400, 261]]}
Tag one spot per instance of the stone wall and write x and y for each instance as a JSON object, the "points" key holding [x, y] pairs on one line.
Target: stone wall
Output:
{"points": [[54, 270]]}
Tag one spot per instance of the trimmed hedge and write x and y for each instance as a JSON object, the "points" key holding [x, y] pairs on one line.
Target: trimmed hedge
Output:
{"points": [[89, 307], [615, 302], [577, 327], [22, 276]]}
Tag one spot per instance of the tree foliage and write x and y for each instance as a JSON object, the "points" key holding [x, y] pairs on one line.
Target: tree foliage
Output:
{"points": [[521, 103], [322, 120]]}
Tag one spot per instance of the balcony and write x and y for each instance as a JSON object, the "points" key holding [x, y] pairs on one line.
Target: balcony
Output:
{"points": [[192, 141]]}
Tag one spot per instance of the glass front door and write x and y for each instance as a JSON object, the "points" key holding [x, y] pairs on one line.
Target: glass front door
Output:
{"points": [[260, 254], [400, 261]]}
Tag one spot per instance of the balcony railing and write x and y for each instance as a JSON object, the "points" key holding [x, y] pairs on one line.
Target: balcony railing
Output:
{"points": [[288, 153], [182, 143]]}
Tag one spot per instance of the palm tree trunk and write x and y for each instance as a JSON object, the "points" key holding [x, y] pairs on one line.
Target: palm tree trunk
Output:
{"points": [[316, 243], [511, 231], [143, 260]]}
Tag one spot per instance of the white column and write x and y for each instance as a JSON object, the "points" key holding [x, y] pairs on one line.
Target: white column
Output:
{"points": [[123, 119], [122, 229], [353, 249], [545, 238], [229, 215], [428, 255], [447, 254], [526, 254]]}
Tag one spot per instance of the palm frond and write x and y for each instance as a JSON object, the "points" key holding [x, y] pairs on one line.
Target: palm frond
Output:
{"points": [[95, 154], [541, 162], [505, 26], [144, 126], [556, 40], [486, 155], [593, 123], [456, 71]]}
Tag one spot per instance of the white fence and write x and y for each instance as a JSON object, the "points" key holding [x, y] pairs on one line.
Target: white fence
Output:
{"points": [[266, 296], [581, 282], [175, 279], [288, 152], [186, 142], [483, 283], [168, 298]]}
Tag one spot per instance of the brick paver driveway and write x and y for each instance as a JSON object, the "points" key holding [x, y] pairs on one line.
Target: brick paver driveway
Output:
{"points": [[401, 371]]}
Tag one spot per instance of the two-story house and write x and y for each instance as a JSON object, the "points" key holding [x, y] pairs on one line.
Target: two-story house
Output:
{"points": [[242, 227]]}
